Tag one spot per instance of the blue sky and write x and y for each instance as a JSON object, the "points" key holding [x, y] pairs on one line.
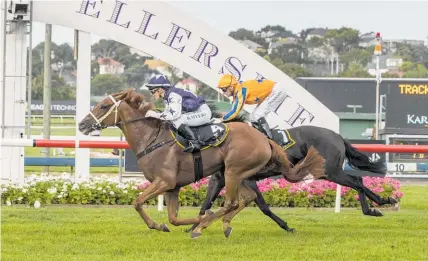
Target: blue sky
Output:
{"points": [[394, 19]]}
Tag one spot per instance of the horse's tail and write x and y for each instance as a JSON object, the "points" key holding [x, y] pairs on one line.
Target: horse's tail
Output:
{"points": [[313, 164], [359, 160]]}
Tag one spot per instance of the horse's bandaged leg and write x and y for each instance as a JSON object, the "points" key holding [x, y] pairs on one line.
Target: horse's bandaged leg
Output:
{"points": [[308, 179]]}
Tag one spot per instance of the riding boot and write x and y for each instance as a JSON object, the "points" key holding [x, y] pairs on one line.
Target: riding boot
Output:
{"points": [[194, 144], [265, 126]]}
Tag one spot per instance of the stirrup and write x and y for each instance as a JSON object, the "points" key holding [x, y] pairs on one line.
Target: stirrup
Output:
{"points": [[190, 148]]}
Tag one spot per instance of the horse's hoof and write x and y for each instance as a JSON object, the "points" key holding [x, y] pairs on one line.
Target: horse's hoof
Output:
{"points": [[375, 213], [188, 230], [291, 230], [195, 235], [393, 201], [164, 228], [227, 232], [209, 212]]}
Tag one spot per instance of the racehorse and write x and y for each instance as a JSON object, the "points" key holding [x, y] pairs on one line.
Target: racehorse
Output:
{"points": [[168, 168], [334, 149]]}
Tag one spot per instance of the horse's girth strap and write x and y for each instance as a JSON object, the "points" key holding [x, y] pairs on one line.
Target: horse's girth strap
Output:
{"points": [[198, 166], [152, 148]]}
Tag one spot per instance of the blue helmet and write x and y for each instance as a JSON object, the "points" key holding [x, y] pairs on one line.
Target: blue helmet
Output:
{"points": [[158, 81]]}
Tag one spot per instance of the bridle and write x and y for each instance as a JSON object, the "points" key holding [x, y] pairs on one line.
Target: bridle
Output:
{"points": [[98, 125], [98, 122]]}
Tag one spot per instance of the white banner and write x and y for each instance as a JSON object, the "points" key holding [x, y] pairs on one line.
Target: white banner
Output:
{"points": [[177, 38]]}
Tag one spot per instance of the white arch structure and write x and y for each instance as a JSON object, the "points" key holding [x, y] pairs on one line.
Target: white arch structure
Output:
{"points": [[166, 33]]}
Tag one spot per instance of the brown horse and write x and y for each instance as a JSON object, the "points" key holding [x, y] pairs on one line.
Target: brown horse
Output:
{"points": [[168, 168]]}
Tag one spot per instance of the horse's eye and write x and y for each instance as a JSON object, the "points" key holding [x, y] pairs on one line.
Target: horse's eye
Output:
{"points": [[103, 107]]}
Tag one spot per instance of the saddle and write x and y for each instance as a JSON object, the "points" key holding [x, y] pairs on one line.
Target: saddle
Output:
{"points": [[279, 136], [209, 135]]}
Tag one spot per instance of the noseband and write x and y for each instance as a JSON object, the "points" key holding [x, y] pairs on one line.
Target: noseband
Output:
{"points": [[98, 125]]}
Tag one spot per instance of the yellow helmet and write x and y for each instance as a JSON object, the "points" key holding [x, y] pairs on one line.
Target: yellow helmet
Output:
{"points": [[227, 80]]}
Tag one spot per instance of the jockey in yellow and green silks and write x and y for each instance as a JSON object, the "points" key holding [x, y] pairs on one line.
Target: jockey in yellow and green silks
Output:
{"points": [[267, 94]]}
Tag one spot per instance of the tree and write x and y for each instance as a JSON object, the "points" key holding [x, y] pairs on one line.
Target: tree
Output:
{"points": [[207, 92], [292, 70], [413, 70], [355, 70], [63, 58], [343, 39], [117, 51], [60, 90], [295, 70], [316, 42], [242, 34], [135, 76], [290, 53], [103, 84], [278, 28], [356, 55], [390, 75]]}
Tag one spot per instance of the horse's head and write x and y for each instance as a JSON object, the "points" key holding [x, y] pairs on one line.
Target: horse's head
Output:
{"points": [[107, 112]]}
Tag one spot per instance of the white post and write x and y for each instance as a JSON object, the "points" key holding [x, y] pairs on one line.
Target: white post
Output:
{"points": [[2, 83], [338, 203], [338, 198], [13, 96], [377, 97], [378, 52], [160, 202], [83, 99]]}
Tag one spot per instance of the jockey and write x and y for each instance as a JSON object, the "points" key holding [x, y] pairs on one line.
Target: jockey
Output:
{"points": [[267, 94], [182, 108]]}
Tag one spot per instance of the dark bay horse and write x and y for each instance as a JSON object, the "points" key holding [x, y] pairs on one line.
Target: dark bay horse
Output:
{"points": [[168, 168], [334, 149]]}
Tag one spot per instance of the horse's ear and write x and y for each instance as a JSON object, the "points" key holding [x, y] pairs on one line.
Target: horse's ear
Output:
{"points": [[121, 95], [134, 98]]}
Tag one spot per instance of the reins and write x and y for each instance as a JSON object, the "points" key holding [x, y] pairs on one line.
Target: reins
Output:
{"points": [[149, 148]]}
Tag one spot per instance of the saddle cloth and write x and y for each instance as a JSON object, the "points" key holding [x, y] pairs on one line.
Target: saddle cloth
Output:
{"points": [[209, 135], [282, 138]]}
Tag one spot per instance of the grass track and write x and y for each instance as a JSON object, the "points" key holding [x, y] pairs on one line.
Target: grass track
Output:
{"points": [[117, 233]]}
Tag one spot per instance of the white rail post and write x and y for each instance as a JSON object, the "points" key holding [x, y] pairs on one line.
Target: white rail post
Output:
{"points": [[83, 99], [338, 193]]}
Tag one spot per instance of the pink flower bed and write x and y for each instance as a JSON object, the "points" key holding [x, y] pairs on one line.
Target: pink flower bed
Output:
{"points": [[281, 193]]}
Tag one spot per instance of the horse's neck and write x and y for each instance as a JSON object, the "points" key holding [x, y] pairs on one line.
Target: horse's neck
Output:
{"points": [[140, 135]]}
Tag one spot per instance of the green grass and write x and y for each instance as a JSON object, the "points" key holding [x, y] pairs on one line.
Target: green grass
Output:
{"points": [[118, 233]]}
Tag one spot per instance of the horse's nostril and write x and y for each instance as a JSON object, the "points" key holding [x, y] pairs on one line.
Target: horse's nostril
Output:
{"points": [[82, 125]]}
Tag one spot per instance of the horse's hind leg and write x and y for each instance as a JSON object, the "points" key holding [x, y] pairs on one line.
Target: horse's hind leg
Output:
{"points": [[344, 179], [263, 206], [246, 195], [375, 197]]}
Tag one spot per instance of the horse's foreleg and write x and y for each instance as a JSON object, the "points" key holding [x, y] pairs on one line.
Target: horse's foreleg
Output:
{"points": [[215, 185], [231, 203], [172, 206], [263, 206], [156, 188], [246, 195]]}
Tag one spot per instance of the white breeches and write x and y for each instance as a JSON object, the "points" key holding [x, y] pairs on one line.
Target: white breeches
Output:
{"points": [[271, 103], [199, 117]]}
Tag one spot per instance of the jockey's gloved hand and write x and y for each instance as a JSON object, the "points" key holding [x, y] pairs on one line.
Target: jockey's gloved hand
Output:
{"points": [[153, 114]]}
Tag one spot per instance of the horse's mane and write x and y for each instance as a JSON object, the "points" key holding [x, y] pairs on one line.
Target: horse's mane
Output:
{"points": [[155, 122]]}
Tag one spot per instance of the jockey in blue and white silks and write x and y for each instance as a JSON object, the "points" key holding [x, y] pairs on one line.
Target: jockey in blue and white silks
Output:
{"points": [[182, 108]]}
